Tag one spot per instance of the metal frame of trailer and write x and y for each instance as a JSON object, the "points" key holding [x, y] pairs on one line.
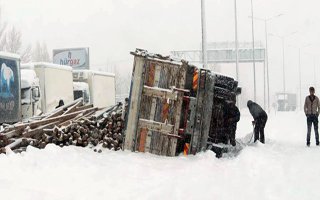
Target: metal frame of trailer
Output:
{"points": [[170, 106]]}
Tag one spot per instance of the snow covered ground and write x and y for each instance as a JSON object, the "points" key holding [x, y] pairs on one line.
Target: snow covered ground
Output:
{"points": [[283, 169]]}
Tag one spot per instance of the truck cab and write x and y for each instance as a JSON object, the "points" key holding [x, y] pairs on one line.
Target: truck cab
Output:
{"points": [[81, 90], [30, 92]]}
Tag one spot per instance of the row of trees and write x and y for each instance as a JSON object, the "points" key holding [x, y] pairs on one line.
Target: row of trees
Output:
{"points": [[11, 41]]}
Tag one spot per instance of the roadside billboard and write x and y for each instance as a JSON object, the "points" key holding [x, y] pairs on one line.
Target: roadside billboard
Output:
{"points": [[77, 58]]}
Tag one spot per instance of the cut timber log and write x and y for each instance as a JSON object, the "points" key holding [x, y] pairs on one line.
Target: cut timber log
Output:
{"points": [[77, 125]]}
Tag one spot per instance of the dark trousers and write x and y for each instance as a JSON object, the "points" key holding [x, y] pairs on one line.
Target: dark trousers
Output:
{"points": [[259, 129], [312, 119], [232, 135]]}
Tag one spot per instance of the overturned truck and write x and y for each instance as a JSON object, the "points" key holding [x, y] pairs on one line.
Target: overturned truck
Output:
{"points": [[175, 107]]}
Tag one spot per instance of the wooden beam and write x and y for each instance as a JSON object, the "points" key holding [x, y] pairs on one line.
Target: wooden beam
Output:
{"points": [[60, 110], [60, 118], [73, 108]]}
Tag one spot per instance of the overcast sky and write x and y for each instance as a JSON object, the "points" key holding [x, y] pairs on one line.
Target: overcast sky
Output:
{"points": [[113, 28]]}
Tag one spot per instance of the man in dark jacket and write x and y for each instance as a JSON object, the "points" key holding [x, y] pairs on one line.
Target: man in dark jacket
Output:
{"points": [[260, 119], [231, 117]]}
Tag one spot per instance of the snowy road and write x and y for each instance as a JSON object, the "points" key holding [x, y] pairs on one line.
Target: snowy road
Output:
{"points": [[283, 169]]}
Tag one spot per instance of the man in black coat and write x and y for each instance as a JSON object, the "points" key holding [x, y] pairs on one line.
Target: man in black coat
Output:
{"points": [[231, 117], [260, 119]]}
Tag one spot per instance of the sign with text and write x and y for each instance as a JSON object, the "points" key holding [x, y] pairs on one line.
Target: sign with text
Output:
{"points": [[77, 58]]}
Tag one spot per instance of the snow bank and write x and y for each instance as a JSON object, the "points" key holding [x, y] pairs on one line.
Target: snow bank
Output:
{"points": [[282, 169]]}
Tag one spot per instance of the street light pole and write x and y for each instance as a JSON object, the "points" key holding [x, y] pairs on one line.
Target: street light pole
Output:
{"points": [[236, 39], [267, 62], [299, 71], [265, 20], [283, 59], [283, 68], [314, 72], [236, 45], [300, 78], [253, 56], [204, 35]]}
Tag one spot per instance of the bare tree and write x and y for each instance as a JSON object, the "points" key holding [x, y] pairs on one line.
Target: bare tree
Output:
{"points": [[40, 53], [3, 26], [26, 55], [13, 42], [10, 41]]}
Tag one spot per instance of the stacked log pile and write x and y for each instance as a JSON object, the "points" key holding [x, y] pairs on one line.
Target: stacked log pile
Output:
{"points": [[72, 124]]}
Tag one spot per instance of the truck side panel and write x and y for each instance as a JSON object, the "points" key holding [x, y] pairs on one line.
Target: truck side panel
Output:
{"points": [[58, 86], [155, 106], [103, 90], [10, 94], [55, 84]]}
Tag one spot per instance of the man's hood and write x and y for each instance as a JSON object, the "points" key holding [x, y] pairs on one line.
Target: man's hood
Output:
{"points": [[249, 103]]}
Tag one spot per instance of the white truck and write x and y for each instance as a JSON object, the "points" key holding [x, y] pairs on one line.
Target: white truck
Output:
{"points": [[54, 82], [97, 88]]}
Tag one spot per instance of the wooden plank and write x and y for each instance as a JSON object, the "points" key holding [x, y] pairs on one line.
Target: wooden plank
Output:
{"points": [[84, 107], [134, 103], [156, 92], [156, 126], [143, 137], [155, 83], [59, 118], [106, 110], [11, 134], [145, 108], [164, 108], [73, 108], [178, 107], [203, 112], [17, 126], [18, 143], [69, 122], [39, 130], [60, 110]]}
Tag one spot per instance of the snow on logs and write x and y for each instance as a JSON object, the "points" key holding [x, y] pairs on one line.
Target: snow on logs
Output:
{"points": [[73, 124]]}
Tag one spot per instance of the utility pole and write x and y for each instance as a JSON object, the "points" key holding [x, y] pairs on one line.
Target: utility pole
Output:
{"points": [[266, 20], [283, 58], [314, 72], [236, 39], [236, 45], [283, 68], [300, 79], [253, 57], [267, 62], [204, 35]]}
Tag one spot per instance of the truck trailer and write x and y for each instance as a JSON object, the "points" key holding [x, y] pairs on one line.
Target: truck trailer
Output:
{"points": [[175, 107], [10, 96], [94, 86], [54, 81]]}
